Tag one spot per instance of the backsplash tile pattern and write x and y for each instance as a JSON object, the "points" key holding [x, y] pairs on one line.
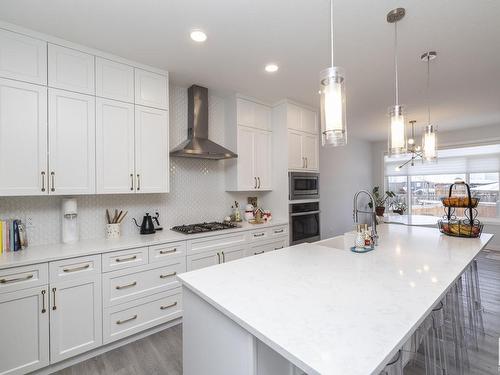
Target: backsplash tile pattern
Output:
{"points": [[197, 189]]}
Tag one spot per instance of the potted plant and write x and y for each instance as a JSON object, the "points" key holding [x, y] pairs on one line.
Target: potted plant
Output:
{"points": [[380, 200]]}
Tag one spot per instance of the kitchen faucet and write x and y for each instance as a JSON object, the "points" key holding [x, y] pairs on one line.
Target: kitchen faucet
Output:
{"points": [[372, 214]]}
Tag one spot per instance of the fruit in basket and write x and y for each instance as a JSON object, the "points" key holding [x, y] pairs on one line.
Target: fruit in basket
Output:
{"points": [[460, 202]]}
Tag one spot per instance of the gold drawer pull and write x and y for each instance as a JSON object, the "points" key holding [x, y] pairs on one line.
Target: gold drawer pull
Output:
{"points": [[163, 252], [168, 275], [126, 286], [259, 252], [77, 268], [258, 234], [126, 320], [168, 306], [277, 248], [279, 231], [126, 259], [5, 281]]}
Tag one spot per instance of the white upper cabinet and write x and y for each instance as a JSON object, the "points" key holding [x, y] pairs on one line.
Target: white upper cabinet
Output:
{"points": [[295, 157], [309, 121], [302, 119], [254, 115], [303, 151], [114, 80], [114, 147], [151, 150], [151, 89], [71, 143], [246, 177], [71, 70], [23, 138], [23, 58], [262, 156], [310, 151]]}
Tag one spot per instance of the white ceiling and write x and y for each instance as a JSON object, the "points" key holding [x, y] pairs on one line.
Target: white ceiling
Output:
{"points": [[244, 35]]}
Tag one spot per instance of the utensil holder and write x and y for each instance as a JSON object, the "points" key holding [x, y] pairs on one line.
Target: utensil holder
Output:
{"points": [[112, 231]]}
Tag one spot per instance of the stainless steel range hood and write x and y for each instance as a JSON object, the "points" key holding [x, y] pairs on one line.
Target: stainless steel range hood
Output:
{"points": [[198, 145]]}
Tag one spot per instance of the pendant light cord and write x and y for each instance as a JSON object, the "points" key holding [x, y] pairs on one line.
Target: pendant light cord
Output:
{"points": [[428, 89], [396, 62], [331, 31]]}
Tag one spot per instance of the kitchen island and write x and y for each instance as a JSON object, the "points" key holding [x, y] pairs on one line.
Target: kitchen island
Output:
{"points": [[318, 308]]}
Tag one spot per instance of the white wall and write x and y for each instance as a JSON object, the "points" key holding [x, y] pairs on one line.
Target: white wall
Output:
{"points": [[344, 171], [197, 189], [459, 137]]}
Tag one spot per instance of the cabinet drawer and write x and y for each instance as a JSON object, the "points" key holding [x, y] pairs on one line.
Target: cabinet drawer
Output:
{"points": [[74, 268], [124, 286], [216, 242], [165, 252], [128, 319], [119, 260], [281, 230], [266, 246], [17, 278], [261, 234]]}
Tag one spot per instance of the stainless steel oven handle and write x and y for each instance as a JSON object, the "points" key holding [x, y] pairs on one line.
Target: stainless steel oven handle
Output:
{"points": [[305, 213]]}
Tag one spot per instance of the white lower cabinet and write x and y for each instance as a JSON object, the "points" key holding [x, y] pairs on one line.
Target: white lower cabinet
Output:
{"points": [[264, 247], [24, 330], [202, 260], [135, 316], [233, 253], [75, 317]]}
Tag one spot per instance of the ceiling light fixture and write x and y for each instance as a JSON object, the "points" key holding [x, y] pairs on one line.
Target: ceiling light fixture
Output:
{"points": [[271, 68], [397, 132], [429, 139], [333, 100], [198, 36]]}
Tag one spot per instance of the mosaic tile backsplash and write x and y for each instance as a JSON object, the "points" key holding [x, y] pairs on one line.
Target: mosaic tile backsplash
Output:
{"points": [[197, 190]]}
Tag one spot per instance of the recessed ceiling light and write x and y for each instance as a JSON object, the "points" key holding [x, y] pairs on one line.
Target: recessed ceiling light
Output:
{"points": [[271, 68], [198, 36]]}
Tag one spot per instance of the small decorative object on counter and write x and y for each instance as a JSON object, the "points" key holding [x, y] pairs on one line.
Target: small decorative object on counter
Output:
{"points": [[236, 212], [147, 226], [267, 216], [368, 238], [360, 238], [459, 197], [227, 219], [112, 231], [252, 201], [249, 212]]}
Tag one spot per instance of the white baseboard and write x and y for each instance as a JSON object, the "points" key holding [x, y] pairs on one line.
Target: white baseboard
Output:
{"points": [[105, 348]]}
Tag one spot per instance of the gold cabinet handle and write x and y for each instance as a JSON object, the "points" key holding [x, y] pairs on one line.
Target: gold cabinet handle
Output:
{"points": [[54, 301], [306, 162], [126, 259], [76, 268], [43, 301], [126, 320], [126, 286], [277, 248], [218, 257], [168, 306], [223, 257], [258, 234], [255, 184], [168, 275], [43, 181], [131, 181], [259, 252], [138, 181], [53, 181], [163, 252], [6, 281], [258, 179], [278, 231]]}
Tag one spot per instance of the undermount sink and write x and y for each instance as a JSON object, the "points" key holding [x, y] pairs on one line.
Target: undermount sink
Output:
{"points": [[334, 243]]}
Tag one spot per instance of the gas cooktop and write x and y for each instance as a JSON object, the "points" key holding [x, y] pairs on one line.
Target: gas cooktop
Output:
{"points": [[203, 227]]}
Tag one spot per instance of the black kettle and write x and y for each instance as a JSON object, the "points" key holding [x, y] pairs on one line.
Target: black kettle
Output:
{"points": [[147, 226]]}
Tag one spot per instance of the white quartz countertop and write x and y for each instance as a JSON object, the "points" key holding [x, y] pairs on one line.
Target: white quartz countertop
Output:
{"points": [[46, 253], [332, 311], [415, 220]]}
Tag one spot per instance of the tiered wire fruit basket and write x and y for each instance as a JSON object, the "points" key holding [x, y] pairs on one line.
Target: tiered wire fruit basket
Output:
{"points": [[450, 224]]}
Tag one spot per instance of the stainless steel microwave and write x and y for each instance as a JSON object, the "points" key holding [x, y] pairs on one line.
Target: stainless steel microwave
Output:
{"points": [[303, 185]]}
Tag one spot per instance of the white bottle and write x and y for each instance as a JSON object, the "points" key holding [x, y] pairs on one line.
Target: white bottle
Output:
{"points": [[70, 232], [360, 238]]}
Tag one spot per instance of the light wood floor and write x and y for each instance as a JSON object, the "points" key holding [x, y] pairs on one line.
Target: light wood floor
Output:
{"points": [[161, 353]]}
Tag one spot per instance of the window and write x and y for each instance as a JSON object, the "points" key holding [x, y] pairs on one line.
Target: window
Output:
{"points": [[423, 185]]}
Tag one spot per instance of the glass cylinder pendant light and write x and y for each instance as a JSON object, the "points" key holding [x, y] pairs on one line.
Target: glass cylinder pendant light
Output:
{"points": [[429, 138], [333, 101], [397, 130]]}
